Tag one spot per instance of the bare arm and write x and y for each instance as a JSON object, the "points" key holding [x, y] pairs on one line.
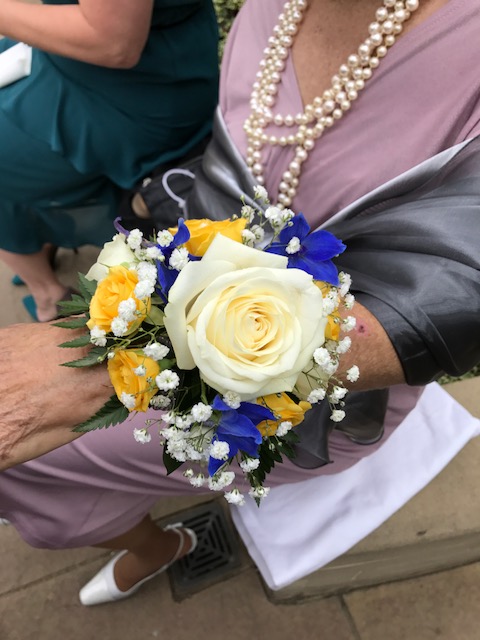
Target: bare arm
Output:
{"points": [[373, 353], [110, 33], [41, 401]]}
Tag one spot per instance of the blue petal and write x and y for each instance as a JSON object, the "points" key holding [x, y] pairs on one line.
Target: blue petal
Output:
{"points": [[299, 228], [233, 424], [214, 465], [255, 412], [279, 249], [325, 271], [323, 245], [219, 405], [119, 228], [183, 234], [166, 279]]}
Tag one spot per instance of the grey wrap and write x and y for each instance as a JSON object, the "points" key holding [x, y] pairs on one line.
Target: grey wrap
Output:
{"points": [[413, 251]]}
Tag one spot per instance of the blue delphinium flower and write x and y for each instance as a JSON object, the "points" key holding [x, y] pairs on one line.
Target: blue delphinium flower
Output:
{"points": [[310, 252], [237, 427], [166, 274]]}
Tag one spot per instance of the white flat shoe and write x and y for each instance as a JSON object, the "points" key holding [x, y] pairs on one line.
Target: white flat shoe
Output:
{"points": [[103, 588]]}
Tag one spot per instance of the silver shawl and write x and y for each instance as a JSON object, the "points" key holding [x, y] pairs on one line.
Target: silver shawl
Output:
{"points": [[413, 251]]}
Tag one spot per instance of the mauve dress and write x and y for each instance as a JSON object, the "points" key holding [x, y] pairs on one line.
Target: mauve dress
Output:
{"points": [[423, 99]]}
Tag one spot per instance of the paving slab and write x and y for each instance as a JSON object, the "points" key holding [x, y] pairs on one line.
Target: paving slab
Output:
{"points": [[236, 609], [22, 565], [438, 607]]}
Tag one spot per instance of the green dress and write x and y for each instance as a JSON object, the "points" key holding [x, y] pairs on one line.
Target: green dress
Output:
{"points": [[73, 134]]}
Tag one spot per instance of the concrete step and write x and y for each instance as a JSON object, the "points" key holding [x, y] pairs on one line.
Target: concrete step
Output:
{"points": [[438, 529]]}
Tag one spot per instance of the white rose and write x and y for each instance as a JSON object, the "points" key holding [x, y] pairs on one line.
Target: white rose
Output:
{"points": [[113, 253], [247, 322]]}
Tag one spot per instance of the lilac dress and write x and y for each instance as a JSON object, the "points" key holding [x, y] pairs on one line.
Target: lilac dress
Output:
{"points": [[423, 98]]}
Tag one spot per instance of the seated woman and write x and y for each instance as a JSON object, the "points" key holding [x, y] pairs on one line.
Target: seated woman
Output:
{"points": [[114, 91], [318, 144]]}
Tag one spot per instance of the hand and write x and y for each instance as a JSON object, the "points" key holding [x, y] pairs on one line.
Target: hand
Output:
{"points": [[40, 400]]}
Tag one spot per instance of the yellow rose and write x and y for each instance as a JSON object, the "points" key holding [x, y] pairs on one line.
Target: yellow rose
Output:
{"points": [[285, 408], [119, 285], [247, 322], [202, 232], [140, 388]]}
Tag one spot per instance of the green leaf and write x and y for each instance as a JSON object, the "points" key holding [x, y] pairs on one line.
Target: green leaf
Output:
{"points": [[286, 449], [113, 412], [155, 317], [75, 306], [86, 287], [94, 356], [74, 323], [81, 341], [170, 463]]}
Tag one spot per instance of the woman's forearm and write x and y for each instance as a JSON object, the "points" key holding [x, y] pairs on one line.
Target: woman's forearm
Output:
{"points": [[106, 32], [373, 353], [40, 400]]}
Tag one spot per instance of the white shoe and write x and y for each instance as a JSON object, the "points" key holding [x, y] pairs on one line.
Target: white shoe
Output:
{"points": [[103, 588], [4, 522]]}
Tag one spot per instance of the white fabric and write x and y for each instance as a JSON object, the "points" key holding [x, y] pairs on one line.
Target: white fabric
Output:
{"points": [[301, 527], [15, 63]]}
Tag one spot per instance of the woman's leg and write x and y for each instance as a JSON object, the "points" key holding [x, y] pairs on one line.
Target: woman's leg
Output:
{"points": [[36, 271], [44, 199], [149, 549]]}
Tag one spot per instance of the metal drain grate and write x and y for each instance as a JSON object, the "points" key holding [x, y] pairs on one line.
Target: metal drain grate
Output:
{"points": [[216, 556]]}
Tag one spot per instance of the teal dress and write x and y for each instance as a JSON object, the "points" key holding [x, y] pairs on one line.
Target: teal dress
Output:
{"points": [[73, 135]]}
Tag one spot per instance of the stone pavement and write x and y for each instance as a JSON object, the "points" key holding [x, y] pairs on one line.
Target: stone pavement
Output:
{"points": [[38, 589]]}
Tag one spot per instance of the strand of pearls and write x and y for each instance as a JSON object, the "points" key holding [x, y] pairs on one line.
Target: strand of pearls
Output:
{"points": [[304, 129]]}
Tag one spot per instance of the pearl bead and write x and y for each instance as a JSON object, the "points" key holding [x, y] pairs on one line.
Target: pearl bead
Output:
{"points": [[381, 14], [329, 106], [364, 50], [301, 154], [353, 61], [324, 110], [387, 26], [294, 168]]}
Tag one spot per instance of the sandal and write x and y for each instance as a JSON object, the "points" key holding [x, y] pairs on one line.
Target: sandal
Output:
{"points": [[31, 306]]}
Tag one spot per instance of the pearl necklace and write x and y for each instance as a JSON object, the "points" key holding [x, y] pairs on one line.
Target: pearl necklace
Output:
{"points": [[322, 113]]}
